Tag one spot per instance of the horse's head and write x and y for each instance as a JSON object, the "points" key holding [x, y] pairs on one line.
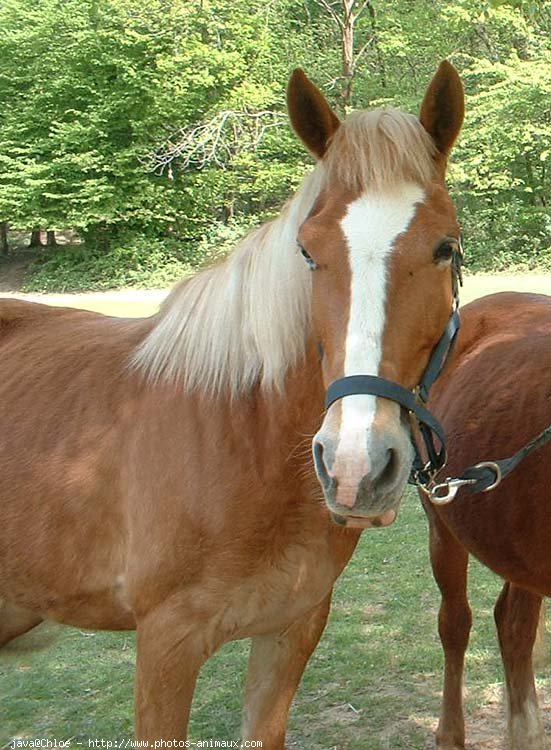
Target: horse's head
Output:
{"points": [[379, 241]]}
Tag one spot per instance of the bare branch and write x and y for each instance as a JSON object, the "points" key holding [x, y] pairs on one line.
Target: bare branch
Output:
{"points": [[216, 141], [362, 50], [332, 83], [365, 4], [329, 8], [348, 6]]}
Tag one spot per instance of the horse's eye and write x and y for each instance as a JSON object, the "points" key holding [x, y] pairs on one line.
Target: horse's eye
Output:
{"points": [[310, 262], [445, 250]]}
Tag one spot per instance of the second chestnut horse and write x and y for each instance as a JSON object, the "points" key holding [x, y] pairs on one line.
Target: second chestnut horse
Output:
{"points": [[494, 397]]}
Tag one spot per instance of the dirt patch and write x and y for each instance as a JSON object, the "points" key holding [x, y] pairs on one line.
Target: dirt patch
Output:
{"points": [[481, 284], [485, 727], [15, 270]]}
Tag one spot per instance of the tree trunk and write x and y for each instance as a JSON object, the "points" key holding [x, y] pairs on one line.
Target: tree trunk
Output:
{"points": [[344, 18], [4, 247], [36, 238], [228, 210], [375, 37], [347, 43], [50, 238]]}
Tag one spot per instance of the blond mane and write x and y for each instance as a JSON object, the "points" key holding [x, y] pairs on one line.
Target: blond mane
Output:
{"points": [[246, 320], [380, 148]]}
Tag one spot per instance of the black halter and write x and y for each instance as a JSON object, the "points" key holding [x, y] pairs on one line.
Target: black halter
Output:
{"points": [[481, 477], [424, 468]]}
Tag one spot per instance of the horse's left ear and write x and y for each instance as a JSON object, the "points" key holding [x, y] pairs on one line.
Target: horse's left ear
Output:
{"points": [[443, 107], [312, 118]]}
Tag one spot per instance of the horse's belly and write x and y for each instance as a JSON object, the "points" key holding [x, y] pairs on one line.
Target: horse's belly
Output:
{"points": [[94, 604], [104, 609], [57, 562]]}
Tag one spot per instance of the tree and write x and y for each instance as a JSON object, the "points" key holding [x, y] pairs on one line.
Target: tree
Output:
{"points": [[4, 246], [345, 14], [36, 238], [166, 118]]}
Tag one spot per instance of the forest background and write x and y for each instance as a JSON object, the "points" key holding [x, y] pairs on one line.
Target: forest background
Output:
{"points": [[152, 133]]}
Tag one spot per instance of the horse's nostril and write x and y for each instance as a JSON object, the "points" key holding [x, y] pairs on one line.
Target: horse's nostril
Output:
{"points": [[387, 474], [320, 461], [318, 450]]}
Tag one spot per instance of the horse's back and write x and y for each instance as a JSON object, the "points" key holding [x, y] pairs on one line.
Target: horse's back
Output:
{"points": [[16, 314], [513, 314], [50, 355], [13, 310], [494, 397], [504, 338]]}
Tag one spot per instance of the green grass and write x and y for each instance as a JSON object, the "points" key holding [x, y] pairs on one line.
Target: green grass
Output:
{"points": [[373, 683]]}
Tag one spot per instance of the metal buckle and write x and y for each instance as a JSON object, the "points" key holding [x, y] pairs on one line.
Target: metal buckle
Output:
{"points": [[445, 492], [493, 467], [427, 483]]}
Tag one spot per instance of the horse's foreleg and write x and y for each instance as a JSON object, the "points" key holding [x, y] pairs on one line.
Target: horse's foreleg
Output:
{"points": [[169, 657], [517, 615], [540, 654], [15, 621], [276, 664], [449, 562]]}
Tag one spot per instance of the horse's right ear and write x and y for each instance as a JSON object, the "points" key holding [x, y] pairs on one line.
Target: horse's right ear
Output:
{"points": [[312, 118]]}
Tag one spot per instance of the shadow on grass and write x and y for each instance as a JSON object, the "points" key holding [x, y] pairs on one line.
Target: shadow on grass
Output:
{"points": [[39, 638]]}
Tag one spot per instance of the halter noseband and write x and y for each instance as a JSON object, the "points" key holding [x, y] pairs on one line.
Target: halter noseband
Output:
{"points": [[414, 402]]}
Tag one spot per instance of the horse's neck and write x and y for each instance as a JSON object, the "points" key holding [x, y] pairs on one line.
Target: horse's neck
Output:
{"points": [[284, 423]]}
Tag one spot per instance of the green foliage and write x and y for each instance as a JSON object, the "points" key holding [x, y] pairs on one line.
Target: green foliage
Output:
{"points": [[509, 237], [154, 119], [129, 261], [134, 261]]}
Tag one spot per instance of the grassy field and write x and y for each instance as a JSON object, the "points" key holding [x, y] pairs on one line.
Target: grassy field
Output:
{"points": [[373, 684]]}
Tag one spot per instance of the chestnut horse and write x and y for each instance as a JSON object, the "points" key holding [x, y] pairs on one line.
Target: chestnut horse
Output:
{"points": [[155, 474], [494, 397]]}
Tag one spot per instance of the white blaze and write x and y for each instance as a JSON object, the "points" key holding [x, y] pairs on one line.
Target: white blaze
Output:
{"points": [[371, 225]]}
